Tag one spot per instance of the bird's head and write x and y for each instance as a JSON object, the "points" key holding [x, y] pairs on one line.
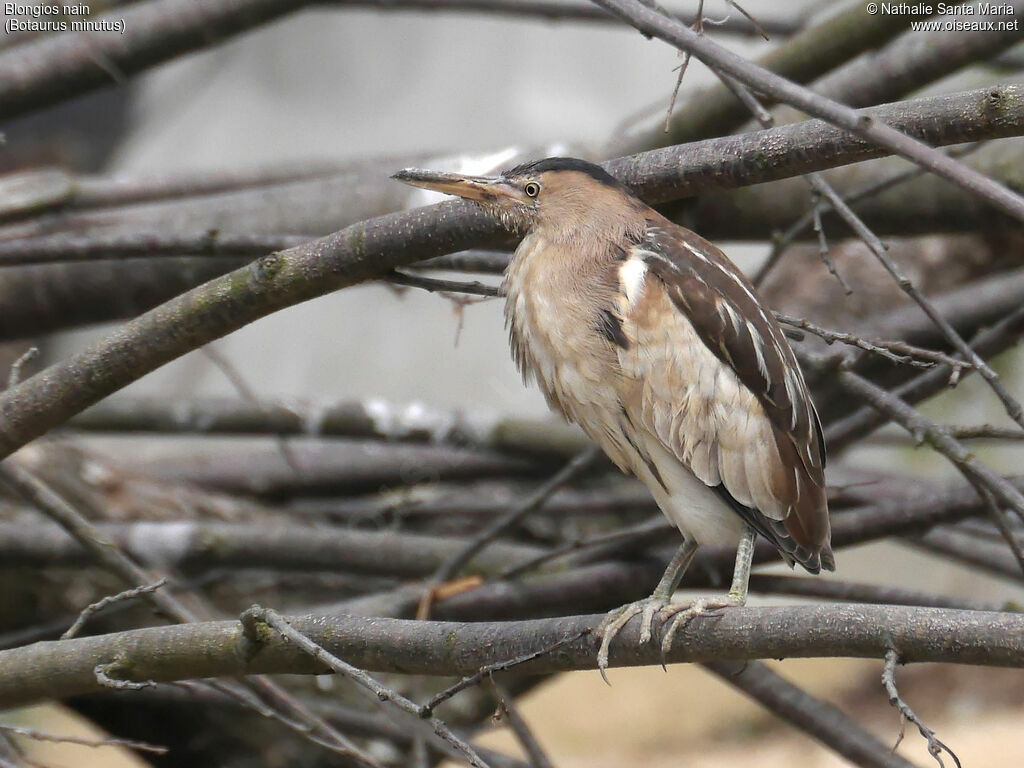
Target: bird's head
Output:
{"points": [[560, 190]]}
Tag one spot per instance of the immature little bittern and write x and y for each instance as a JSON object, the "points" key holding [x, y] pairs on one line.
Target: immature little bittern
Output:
{"points": [[650, 339]]}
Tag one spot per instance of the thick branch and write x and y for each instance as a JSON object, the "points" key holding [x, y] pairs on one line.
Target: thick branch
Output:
{"points": [[210, 649]]}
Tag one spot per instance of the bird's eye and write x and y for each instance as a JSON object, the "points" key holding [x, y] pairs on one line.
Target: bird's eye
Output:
{"points": [[532, 189]]}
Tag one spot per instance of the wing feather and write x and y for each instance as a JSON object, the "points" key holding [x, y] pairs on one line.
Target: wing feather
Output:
{"points": [[722, 390]]}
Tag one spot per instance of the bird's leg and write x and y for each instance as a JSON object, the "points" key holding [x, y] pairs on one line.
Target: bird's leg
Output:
{"points": [[649, 606], [737, 592]]}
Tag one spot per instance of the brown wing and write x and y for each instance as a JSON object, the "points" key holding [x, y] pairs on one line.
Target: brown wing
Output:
{"points": [[770, 452]]}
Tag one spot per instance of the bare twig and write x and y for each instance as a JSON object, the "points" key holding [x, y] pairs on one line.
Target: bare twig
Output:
{"points": [[935, 747], [653, 22], [99, 605], [817, 718], [15, 375], [501, 666], [924, 429], [435, 285], [257, 615], [108, 741], [1013, 408], [488, 534], [823, 254], [233, 375], [509, 713], [996, 514], [1000, 336], [25, 484], [985, 432], [698, 26], [780, 243], [893, 350]]}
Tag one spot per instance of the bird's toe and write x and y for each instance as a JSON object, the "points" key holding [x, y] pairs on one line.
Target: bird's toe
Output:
{"points": [[619, 618]]}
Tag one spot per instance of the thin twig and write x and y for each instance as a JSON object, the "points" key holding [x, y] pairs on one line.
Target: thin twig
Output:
{"points": [[433, 284], [27, 485], [530, 504], [823, 252], [477, 677], [894, 350], [509, 713], [15, 375], [109, 741], [1013, 408], [780, 243], [1004, 529], [233, 375], [698, 26], [99, 605], [988, 341], [935, 747], [924, 430], [751, 19], [631, 535], [652, 22], [256, 615]]}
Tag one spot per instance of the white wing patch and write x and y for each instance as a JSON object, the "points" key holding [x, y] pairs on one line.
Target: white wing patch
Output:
{"points": [[631, 276]]}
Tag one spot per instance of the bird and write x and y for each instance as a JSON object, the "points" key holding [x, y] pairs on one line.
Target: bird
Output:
{"points": [[650, 339]]}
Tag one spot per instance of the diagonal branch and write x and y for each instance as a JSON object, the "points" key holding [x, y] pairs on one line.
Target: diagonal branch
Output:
{"points": [[817, 718], [651, 22]]}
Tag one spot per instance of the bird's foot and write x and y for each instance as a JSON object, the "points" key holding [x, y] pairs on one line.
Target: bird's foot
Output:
{"points": [[682, 614], [678, 614], [618, 618]]}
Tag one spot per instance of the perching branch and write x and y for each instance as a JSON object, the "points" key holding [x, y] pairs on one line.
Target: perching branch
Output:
{"points": [[189, 651]]}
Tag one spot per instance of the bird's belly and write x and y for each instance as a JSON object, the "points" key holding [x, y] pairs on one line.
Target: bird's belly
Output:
{"points": [[691, 505]]}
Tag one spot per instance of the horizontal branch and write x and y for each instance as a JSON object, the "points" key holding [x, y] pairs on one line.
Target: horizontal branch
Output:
{"points": [[190, 545], [397, 422], [212, 649]]}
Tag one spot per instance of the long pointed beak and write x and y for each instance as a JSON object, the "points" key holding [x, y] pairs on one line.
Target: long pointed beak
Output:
{"points": [[477, 188]]}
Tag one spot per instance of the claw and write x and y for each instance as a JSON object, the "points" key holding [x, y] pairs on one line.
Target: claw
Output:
{"points": [[617, 619], [685, 613], [677, 615]]}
